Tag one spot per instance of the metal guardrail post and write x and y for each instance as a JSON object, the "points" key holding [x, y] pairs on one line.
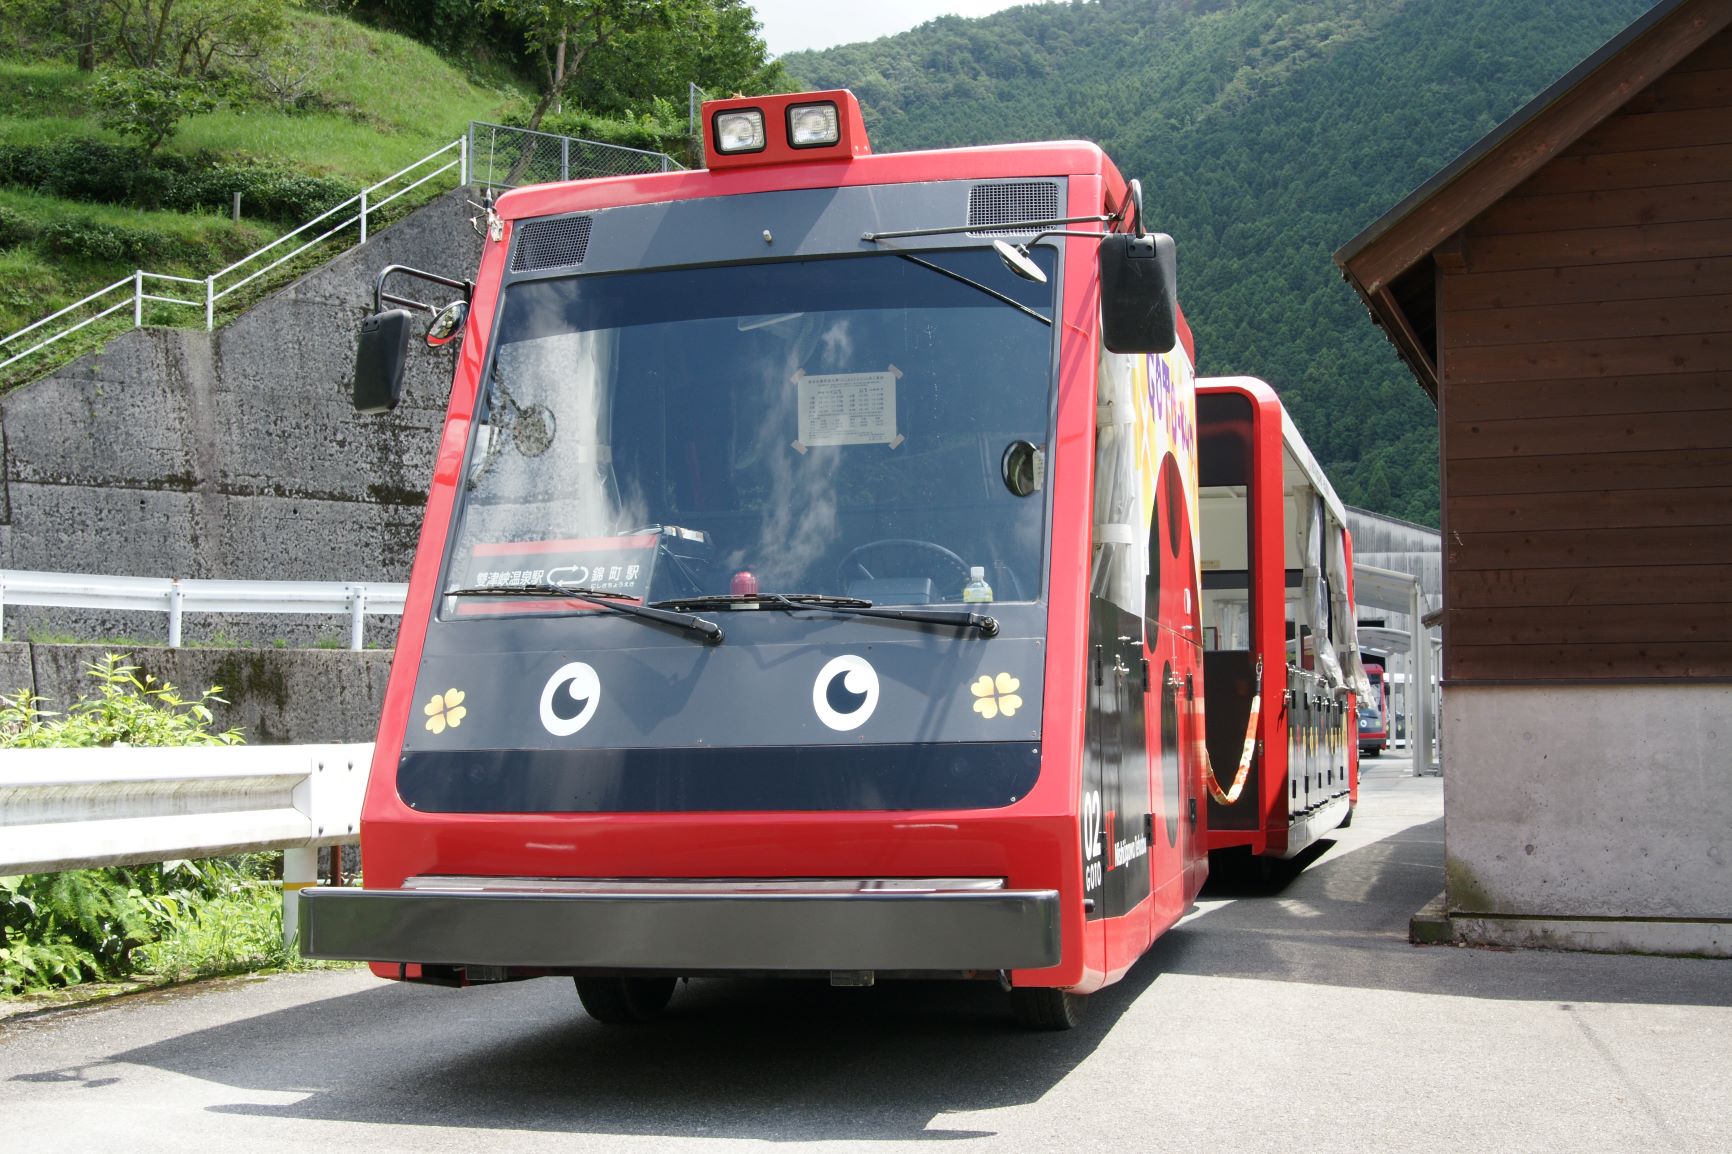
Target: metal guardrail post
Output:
{"points": [[463, 157], [174, 614], [363, 216], [137, 298], [300, 870], [209, 303], [357, 616], [565, 158]]}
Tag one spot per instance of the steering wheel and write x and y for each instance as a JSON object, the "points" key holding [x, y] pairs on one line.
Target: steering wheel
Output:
{"points": [[852, 566]]}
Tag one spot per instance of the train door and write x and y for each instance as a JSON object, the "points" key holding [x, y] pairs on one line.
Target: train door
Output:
{"points": [[1116, 798]]}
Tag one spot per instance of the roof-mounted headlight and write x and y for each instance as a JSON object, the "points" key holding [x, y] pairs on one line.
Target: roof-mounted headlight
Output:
{"points": [[813, 125], [740, 130]]}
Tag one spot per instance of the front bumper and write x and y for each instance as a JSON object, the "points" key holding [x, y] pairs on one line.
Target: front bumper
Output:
{"points": [[670, 926]]}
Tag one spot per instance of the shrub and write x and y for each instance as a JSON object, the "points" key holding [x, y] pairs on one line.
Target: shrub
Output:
{"points": [[15, 228], [105, 242], [148, 103], [178, 918], [99, 172]]}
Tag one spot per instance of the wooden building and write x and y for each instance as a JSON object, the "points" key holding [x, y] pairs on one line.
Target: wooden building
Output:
{"points": [[1563, 290]]}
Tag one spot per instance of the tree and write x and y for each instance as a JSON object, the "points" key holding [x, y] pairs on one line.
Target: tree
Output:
{"points": [[147, 103], [563, 33]]}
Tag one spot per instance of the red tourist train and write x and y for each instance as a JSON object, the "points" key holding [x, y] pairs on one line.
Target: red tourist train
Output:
{"points": [[1374, 714], [810, 583]]}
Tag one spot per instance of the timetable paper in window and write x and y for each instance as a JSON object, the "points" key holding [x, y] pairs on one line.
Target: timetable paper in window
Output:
{"points": [[848, 409]]}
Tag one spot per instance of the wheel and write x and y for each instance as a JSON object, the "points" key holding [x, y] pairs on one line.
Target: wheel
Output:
{"points": [[1044, 1008], [624, 1000], [852, 567]]}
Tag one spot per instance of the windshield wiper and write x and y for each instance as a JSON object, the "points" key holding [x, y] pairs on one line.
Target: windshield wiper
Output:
{"points": [[971, 283], [853, 606], [618, 602]]}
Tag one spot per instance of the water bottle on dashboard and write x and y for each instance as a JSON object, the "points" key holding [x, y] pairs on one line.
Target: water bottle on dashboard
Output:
{"points": [[977, 591]]}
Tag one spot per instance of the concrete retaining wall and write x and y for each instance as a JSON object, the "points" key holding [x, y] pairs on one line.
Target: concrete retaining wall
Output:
{"points": [[180, 453], [1595, 817], [276, 696]]}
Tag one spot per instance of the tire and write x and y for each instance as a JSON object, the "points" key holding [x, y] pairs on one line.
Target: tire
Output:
{"points": [[622, 1001], [1045, 1008]]}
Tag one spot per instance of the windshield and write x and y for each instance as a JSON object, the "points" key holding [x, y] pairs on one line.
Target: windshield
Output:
{"points": [[834, 426]]}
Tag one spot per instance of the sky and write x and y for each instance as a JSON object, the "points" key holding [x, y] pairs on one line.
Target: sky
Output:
{"points": [[793, 25]]}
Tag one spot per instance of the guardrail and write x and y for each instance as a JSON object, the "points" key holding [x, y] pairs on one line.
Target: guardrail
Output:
{"points": [[509, 157], [81, 808], [352, 212], [178, 596]]}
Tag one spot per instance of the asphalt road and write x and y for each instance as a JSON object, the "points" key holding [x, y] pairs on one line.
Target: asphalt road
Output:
{"points": [[1293, 1022]]}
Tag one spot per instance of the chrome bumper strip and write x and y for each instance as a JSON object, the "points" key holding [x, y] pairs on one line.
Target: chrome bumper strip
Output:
{"points": [[701, 930]]}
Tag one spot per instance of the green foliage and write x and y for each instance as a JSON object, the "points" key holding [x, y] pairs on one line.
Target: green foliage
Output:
{"points": [[91, 170], [176, 919], [15, 228], [148, 104], [126, 709], [1267, 133]]}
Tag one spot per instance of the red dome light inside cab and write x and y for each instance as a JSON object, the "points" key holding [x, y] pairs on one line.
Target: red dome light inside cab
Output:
{"points": [[791, 128]]}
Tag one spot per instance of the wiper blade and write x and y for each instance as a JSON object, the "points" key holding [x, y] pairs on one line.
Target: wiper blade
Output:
{"points": [[974, 284], [618, 602], [852, 606], [753, 600]]}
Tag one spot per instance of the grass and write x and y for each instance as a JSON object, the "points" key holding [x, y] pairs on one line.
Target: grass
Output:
{"points": [[378, 102]]}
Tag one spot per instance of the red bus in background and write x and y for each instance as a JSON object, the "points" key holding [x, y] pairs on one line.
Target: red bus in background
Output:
{"points": [[1374, 714], [808, 585], [1280, 642]]}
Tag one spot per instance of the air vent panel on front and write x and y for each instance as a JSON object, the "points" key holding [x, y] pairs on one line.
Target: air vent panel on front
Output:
{"points": [[551, 243], [990, 204]]}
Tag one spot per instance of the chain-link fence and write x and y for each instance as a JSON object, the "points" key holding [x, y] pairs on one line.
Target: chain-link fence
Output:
{"points": [[505, 157]]}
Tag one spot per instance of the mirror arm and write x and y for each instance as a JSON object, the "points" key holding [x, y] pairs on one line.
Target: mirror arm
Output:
{"points": [[380, 295]]}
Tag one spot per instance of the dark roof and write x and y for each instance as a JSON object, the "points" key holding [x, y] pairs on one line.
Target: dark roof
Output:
{"points": [[1488, 143]]}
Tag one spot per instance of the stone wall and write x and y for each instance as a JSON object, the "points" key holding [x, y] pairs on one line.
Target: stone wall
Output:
{"points": [[276, 696], [233, 454]]}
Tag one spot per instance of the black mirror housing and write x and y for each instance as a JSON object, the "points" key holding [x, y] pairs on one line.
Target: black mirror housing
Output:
{"points": [[1139, 293], [379, 360]]}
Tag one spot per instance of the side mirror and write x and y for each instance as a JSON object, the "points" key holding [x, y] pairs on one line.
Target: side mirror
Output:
{"points": [[1139, 293], [448, 325], [379, 361]]}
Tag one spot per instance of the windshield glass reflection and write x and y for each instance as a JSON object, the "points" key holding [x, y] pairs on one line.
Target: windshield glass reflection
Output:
{"points": [[834, 427]]}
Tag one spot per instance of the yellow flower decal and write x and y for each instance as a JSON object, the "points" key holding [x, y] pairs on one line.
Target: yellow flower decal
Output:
{"points": [[446, 709], [996, 695]]}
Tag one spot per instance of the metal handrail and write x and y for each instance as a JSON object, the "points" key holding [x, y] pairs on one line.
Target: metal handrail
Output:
{"points": [[179, 596], [363, 206]]}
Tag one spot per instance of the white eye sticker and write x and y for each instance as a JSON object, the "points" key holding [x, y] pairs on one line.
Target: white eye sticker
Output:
{"points": [[845, 693], [569, 698]]}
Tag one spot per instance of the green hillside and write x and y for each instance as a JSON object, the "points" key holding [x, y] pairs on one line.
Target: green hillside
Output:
{"points": [[1266, 134], [328, 107]]}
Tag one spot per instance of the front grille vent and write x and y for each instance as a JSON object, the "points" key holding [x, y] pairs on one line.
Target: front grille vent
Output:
{"points": [[990, 204], [551, 243]]}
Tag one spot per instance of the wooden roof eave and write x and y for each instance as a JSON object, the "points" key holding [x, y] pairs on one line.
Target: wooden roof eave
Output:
{"points": [[1516, 149]]}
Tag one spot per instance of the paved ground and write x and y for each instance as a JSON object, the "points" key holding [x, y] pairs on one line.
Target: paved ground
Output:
{"points": [[1302, 1021]]}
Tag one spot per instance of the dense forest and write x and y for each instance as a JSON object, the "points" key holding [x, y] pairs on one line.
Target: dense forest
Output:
{"points": [[1266, 133]]}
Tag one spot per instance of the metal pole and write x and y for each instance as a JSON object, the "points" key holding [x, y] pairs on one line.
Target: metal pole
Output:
{"points": [[363, 216], [137, 298], [209, 303], [357, 615], [463, 157], [565, 158], [1420, 710], [174, 602], [300, 870]]}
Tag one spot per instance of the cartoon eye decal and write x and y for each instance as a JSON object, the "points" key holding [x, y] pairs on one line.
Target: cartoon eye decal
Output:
{"points": [[569, 698], [845, 692]]}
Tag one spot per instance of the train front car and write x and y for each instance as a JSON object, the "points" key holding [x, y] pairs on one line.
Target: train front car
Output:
{"points": [[750, 628], [1280, 637]]}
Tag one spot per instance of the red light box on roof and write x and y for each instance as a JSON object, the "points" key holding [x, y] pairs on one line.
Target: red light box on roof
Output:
{"points": [[746, 131]]}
